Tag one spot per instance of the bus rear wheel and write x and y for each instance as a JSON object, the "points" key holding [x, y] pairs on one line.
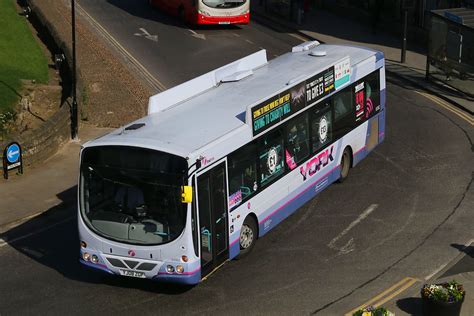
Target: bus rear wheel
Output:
{"points": [[248, 236], [345, 165]]}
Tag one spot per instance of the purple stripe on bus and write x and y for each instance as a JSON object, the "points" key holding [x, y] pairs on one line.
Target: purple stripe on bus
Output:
{"points": [[232, 243], [363, 147]]}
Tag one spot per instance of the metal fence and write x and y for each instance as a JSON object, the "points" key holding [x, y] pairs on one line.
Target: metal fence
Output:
{"points": [[451, 49]]}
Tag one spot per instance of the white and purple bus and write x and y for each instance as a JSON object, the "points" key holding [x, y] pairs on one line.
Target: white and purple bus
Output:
{"points": [[222, 159]]}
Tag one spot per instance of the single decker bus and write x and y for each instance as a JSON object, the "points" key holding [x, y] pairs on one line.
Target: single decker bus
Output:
{"points": [[222, 159], [207, 11]]}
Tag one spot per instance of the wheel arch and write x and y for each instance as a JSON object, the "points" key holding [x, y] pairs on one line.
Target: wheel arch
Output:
{"points": [[351, 156], [255, 219]]}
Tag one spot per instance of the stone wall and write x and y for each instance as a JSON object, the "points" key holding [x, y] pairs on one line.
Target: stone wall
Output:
{"points": [[43, 142]]}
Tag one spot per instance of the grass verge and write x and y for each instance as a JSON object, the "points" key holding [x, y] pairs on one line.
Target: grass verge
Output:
{"points": [[21, 56]]}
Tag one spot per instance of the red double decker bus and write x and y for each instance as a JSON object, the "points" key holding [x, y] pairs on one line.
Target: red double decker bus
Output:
{"points": [[207, 11]]}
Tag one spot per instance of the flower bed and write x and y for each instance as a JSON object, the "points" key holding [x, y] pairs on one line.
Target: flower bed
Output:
{"points": [[442, 299]]}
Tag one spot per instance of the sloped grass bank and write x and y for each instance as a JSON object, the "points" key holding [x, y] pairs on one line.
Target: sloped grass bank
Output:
{"points": [[21, 56]]}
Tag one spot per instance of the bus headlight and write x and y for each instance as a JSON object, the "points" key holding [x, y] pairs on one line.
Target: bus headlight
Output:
{"points": [[94, 259], [179, 269], [86, 256], [169, 269]]}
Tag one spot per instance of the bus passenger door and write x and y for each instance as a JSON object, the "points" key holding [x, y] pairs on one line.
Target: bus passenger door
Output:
{"points": [[212, 208]]}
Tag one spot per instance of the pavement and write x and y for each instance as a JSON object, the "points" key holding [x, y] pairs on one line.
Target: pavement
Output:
{"points": [[23, 197], [44, 186], [329, 28]]}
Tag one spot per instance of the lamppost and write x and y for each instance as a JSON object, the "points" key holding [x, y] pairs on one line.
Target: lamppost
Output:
{"points": [[74, 109]]}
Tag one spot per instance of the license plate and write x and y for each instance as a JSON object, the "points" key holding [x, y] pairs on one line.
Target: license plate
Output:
{"points": [[224, 22], [133, 274]]}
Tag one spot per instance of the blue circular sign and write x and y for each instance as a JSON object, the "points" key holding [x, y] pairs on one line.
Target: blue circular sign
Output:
{"points": [[13, 153]]}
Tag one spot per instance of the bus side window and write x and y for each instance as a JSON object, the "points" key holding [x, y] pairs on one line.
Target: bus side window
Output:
{"points": [[343, 112], [321, 126], [372, 92], [359, 102], [242, 174], [271, 157], [297, 141]]}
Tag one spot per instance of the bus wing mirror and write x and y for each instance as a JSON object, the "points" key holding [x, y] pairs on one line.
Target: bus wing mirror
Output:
{"points": [[187, 194]]}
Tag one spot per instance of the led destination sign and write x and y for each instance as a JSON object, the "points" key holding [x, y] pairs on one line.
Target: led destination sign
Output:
{"points": [[289, 102]]}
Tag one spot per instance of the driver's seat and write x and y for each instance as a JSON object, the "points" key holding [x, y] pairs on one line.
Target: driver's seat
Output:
{"points": [[128, 197]]}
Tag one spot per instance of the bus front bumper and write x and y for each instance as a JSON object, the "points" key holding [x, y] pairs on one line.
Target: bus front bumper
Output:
{"points": [[189, 278], [238, 19]]}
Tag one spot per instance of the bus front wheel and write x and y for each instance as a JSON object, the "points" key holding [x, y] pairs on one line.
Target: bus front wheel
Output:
{"points": [[345, 165], [248, 236]]}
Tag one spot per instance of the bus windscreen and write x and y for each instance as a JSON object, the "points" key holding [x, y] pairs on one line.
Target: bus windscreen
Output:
{"points": [[132, 195], [223, 4]]}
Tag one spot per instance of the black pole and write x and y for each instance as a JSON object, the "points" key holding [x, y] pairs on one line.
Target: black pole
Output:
{"points": [[404, 36], [74, 109]]}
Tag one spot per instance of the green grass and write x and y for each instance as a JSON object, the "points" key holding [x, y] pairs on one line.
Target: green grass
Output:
{"points": [[21, 56]]}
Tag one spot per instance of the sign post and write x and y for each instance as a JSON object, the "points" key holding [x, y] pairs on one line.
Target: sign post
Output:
{"points": [[12, 159]]}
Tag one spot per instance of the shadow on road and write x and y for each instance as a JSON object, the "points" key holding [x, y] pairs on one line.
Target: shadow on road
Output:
{"points": [[51, 239], [336, 24], [411, 305], [468, 250]]}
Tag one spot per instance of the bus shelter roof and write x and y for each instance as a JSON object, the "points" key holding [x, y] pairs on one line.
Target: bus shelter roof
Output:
{"points": [[461, 16]]}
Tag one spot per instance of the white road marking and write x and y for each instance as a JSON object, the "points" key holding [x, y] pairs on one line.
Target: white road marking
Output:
{"points": [[435, 271], [4, 242], [144, 33], [349, 246], [197, 35], [249, 41]]}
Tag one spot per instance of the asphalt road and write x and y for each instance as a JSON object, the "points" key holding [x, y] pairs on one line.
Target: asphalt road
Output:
{"points": [[415, 191], [174, 52]]}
